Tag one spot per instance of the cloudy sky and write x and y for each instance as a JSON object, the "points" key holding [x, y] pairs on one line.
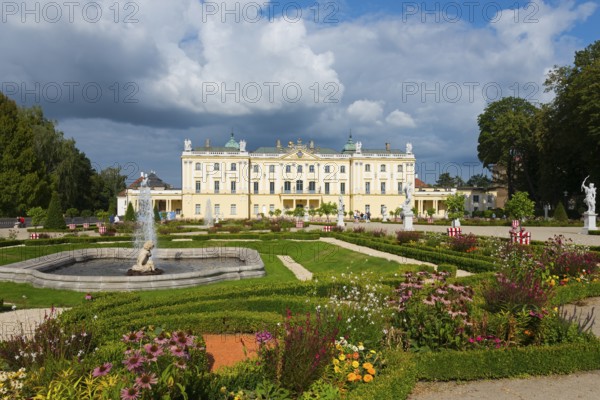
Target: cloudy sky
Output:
{"points": [[131, 80]]}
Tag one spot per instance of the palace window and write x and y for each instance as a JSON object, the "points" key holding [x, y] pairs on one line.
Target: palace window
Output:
{"points": [[255, 209], [287, 187], [233, 187], [255, 187], [217, 209], [198, 166], [367, 187], [288, 168], [343, 169], [400, 168], [367, 167], [311, 186], [216, 166], [382, 187], [255, 168], [271, 169], [327, 169], [299, 169], [475, 198], [399, 187], [311, 169], [233, 167], [198, 186], [382, 168], [217, 186], [299, 186], [233, 210], [198, 209], [342, 188], [326, 187], [271, 187], [272, 207]]}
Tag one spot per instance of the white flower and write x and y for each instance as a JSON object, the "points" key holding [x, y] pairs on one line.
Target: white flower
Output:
{"points": [[14, 307]]}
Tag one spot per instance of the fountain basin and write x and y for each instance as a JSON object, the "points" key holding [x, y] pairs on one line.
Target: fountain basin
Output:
{"points": [[44, 272]]}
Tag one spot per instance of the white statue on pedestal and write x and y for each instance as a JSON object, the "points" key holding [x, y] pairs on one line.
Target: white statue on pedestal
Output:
{"points": [[409, 148], [144, 263], [358, 147], [408, 191], [187, 145], [242, 146], [384, 216], [590, 196], [340, 221]]}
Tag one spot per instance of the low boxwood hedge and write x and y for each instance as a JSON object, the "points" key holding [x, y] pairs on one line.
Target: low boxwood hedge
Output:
{"points": [[505, 363]]}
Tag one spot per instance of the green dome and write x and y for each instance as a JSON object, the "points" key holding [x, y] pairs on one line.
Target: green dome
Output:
{"points": [[350, 145], [232, 143]]}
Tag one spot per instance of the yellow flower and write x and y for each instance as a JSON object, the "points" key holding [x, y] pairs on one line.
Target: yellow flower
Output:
{"points": [[336, 361], [342, 357], [368, 378], [355, 364], [371, 371], [336, 369], [367, 365]]}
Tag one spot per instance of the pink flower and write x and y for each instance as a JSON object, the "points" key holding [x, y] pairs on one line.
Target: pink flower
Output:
{"points": [[479, 338], [471, 340], [180, 364], [102, 370], [145, 381], [88, 296], [177, 351], [153, 349], [133, 337], [130, 393], [134, 362]]}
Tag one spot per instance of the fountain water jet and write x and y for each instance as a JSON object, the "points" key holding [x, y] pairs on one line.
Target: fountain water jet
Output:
{"points": [[145, 234]]}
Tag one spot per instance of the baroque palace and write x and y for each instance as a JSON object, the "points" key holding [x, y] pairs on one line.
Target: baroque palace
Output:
{"points": [[237, 183]]}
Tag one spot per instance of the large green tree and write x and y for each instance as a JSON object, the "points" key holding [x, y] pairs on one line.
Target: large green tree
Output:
{"points": [[447, 181], [570, 129], [36, 159], [507, 140]]}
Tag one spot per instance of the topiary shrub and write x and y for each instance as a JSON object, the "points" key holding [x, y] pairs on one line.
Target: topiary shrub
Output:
{"points": [[560, 214], [54, 218], [130, 213]]}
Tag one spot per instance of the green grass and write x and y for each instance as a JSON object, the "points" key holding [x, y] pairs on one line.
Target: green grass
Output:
{"points": [[317, 257]]}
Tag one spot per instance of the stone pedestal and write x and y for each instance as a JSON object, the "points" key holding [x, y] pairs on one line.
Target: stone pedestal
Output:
{"points": [[589, 223], [306, 217], [456, 223], [340, 220], [408, 223]]}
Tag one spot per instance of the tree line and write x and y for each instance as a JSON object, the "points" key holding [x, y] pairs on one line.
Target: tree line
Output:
{"points": [[36, 160], [547, 150]]}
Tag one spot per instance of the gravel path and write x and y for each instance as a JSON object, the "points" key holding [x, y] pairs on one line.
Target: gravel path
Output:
{"points": [[302, 274], [22, 322]]}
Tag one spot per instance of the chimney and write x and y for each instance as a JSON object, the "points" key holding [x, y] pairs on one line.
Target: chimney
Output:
{"points": [[387, 147], [207, 143], [278, 144]]}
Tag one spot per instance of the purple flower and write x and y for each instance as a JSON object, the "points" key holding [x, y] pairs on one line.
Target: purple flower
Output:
{"points": [[102, 370], [263, 337], [153, 349]]}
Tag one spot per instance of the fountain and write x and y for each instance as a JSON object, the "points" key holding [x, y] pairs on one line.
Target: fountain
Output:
{"points": [[109, 269]]}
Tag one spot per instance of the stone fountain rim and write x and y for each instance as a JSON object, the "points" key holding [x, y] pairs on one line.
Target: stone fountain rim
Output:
{"points": [[32, 270]]}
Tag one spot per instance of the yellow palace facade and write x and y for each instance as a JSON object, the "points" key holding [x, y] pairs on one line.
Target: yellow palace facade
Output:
{"points": [[237, 183]]}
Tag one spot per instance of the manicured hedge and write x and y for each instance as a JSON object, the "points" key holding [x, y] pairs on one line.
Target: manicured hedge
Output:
{"points": [[466, 262], [504, 363]]}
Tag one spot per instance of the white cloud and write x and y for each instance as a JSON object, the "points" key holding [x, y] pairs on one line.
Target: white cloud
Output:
{"points": [[400, 119], [366, 111]]}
